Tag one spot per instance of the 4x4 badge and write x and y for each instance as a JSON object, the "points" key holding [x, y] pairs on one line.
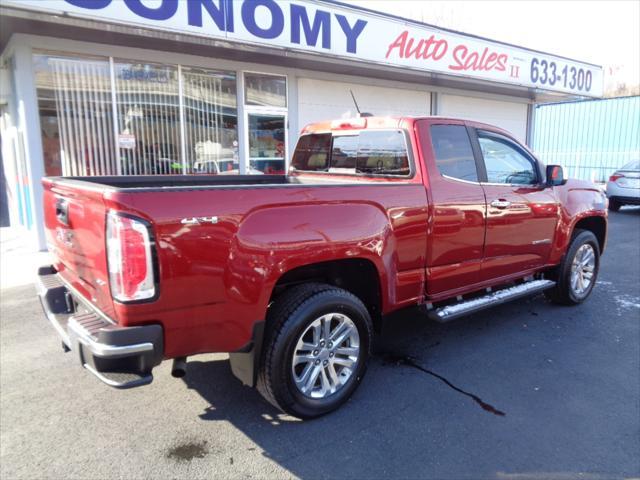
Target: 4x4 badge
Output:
{"points": [[198, 220]]}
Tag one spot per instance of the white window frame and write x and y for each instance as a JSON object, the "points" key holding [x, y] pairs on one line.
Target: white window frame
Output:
{"points": [[262, 110]]}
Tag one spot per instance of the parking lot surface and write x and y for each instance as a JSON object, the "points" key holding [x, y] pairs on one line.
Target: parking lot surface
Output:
{"points": [[524, 390]]}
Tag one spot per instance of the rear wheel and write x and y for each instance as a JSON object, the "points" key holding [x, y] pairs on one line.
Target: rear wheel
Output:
{"points": [[614, 205], [316, 350], [576, 275]]}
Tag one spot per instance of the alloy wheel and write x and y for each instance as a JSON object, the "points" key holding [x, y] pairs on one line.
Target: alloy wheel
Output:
{"points": [[326, 355], [583, 269]]}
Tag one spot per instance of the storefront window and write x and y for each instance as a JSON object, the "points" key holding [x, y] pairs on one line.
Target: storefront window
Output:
{"points": [[266, 143], [74, 100], [211, 121], [266, 111], [265, 90], [101, 116], [149, 119]]}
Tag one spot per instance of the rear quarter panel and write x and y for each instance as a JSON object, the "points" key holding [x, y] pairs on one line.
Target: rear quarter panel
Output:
{"points": [[216, 279]]}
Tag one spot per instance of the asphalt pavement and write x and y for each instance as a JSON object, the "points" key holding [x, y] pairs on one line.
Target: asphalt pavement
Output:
{"points": [[524, 390]]}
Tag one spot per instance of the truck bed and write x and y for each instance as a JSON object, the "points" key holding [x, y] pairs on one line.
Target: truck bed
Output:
{"points": [[171, 181], [215, 239]]}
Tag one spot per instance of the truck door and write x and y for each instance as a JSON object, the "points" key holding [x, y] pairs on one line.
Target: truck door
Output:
{"points": [[455, 236], [522, 213]]}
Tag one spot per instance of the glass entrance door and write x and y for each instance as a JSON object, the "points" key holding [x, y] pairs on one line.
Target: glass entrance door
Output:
{"points": [[267, 138]]}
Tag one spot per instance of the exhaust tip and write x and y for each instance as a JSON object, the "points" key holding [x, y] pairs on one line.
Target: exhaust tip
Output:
{"points": [[179, 367]]}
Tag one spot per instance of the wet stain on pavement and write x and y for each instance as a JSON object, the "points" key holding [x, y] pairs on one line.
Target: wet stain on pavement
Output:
{"points": [[406, 360], [185, 452]]}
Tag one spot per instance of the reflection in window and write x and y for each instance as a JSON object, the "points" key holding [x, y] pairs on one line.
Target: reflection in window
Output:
{"points": [[74, 101], [373, 152], [266, 143], [452, 149], [149, 119], [504, 163], [344, 152], [382, 153], [312, 152], [211, 121], [265, 90]]}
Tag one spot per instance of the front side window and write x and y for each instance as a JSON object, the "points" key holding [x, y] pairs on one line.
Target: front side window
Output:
{"points": [[505, 162], [453, 153]]}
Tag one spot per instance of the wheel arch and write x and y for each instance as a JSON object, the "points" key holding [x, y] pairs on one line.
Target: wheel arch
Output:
{"points": [[358, 276], [597, 225]]}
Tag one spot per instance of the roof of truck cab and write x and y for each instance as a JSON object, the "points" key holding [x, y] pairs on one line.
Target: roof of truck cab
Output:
{"points": [[363, 123]]}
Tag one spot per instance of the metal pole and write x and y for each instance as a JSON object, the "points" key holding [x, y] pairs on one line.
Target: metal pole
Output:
{"points": [[114, 107], [183, 147], [241, 125]]}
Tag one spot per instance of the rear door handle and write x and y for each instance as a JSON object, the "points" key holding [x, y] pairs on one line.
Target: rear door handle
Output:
{"points": [[501, 203]]}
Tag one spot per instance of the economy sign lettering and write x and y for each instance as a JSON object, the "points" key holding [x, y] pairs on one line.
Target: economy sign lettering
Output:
{"points": [[337, 30]]}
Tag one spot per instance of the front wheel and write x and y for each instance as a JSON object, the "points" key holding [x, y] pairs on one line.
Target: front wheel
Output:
{"points": [[576, 275], [316, 349]]}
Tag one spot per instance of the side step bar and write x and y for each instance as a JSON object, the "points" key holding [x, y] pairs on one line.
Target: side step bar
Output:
{"points": [[450, 312]]}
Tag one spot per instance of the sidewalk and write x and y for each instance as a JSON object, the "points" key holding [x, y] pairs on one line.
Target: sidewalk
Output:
{"points": [[18, 262]]}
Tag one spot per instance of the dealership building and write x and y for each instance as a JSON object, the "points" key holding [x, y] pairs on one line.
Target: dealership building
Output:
{"points": [[147, 87]]}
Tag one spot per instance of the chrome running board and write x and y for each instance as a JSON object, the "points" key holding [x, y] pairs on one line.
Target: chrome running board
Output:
{"points": [[465, 307]]}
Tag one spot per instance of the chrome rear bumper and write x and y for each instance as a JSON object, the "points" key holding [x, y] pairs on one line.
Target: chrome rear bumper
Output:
{"points": [[122, 357]]}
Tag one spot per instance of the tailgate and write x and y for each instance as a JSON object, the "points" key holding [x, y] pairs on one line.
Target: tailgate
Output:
{"points": [[75, 218]]}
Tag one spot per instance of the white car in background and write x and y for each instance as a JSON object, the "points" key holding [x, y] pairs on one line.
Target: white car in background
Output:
{"points": [[623, 187]]}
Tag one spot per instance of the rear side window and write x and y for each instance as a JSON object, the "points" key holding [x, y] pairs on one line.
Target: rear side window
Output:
{"points": [[382, 153], [312, 152], [454, 156], [371, 152]]}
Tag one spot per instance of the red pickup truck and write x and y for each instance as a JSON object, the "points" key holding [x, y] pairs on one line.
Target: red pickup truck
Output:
{"points": [[292, 274]]}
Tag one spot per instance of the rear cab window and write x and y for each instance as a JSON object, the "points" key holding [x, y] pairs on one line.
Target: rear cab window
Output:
{"points": [[312, 153], [365, 152]]}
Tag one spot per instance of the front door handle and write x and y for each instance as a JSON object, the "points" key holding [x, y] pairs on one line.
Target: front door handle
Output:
{"points": [[501, 203]]}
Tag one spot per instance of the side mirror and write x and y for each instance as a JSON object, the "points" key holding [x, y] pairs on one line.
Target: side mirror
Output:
{"points": [[555, 176]]}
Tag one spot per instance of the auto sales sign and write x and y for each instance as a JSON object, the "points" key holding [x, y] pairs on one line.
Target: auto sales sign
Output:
{"points": [[333, 29]]}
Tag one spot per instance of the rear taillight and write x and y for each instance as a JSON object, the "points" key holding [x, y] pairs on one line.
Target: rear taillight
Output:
{"points": [[130, 259], [615, 177]]}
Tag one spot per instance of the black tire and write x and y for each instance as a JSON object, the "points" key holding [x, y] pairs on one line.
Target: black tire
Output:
{"points": [[563, 293], [287, 319], [614, 205]]}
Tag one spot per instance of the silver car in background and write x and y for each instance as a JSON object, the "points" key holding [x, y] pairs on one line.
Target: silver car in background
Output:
{"points": [[623, 187]]}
